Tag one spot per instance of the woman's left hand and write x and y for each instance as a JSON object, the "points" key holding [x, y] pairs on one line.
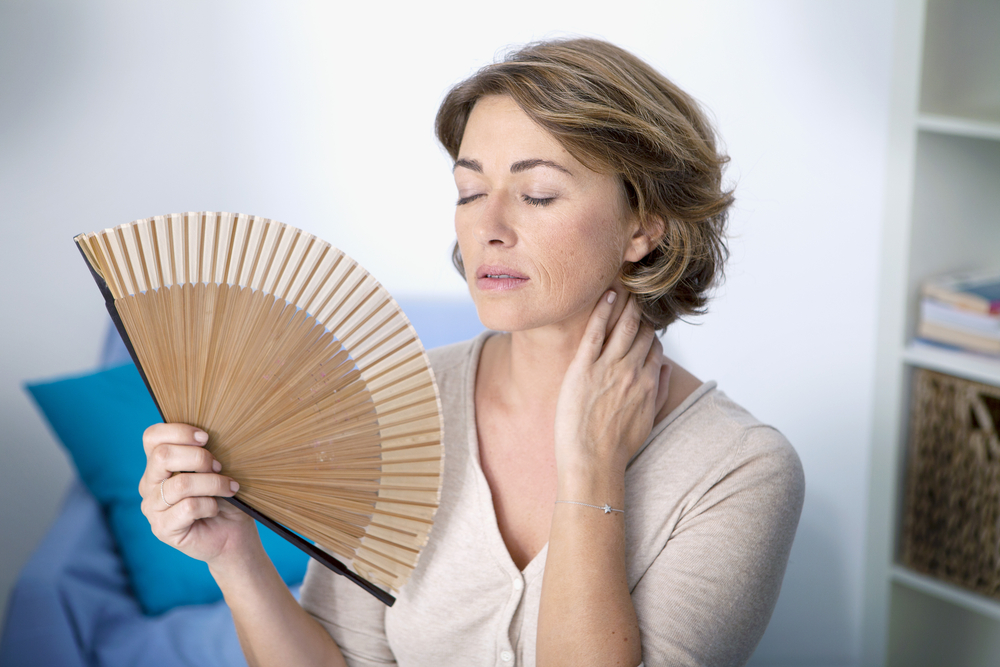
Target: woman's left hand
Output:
{"points": [[613, 389]]}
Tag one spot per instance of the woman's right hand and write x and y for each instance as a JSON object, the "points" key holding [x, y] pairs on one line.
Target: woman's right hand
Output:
{"points": [[273, 629], [179, 495]]}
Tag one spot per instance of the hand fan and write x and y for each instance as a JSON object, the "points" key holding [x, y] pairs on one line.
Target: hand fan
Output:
{"points": [[312, 385]]}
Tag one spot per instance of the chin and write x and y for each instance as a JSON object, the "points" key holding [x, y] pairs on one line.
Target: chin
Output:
{"points": [[510, 316], [506, 315]]}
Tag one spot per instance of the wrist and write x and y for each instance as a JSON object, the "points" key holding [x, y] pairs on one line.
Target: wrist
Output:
{"points": [[239, 563], [596, 485], [589, 466], [580, 458]]}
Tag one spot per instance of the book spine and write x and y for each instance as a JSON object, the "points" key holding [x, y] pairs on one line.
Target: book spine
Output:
{"points": [[952, 336], [964, 300], [945, 314], [296, 540]]}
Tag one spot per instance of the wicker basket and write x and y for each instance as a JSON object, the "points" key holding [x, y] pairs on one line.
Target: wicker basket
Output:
{"points": [[951, 525]]}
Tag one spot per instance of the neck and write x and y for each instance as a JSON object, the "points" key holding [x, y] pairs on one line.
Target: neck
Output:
{"points": [[535, 363], [523, 371], [526, 368]]}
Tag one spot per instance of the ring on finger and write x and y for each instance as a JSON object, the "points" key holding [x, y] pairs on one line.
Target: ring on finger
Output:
{"points": [[163, 497]]}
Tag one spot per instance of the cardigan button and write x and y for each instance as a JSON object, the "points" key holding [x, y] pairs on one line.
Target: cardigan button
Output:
{"points": [[506, 656]]}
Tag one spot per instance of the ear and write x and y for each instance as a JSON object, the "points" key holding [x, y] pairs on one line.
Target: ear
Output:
{"points": [[645, 237]]}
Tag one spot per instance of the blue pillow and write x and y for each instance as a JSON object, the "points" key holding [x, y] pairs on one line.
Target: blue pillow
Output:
{"points": [[100, 418]]}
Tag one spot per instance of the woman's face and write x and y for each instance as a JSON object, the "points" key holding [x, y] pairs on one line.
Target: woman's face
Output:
{"points": [[542, 237]]}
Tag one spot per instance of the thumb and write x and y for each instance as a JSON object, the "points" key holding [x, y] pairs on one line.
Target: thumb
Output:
{"points": [[663, 389]]}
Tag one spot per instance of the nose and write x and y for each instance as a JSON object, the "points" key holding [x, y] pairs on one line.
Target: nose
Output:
{"points": [[493, 227]]}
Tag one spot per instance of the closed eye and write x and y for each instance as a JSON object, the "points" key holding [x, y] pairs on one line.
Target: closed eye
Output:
{"points": [[545, 201], [466, 200]]}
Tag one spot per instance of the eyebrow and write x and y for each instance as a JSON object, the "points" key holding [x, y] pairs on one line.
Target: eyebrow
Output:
{"points": [[472, 165], [516, 168], [525, 165]]}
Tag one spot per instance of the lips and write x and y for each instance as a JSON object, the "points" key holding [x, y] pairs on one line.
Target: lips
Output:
{"points": [[499, 278], [499, 272]]}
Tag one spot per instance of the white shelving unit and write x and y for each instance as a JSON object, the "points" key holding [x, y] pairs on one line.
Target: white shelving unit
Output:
{"points": [[942, 590], [960, 127], [978, 368], [942, 215]]}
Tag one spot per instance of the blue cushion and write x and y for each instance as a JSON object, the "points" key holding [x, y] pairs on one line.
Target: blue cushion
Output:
{"points": [[100, 418], [72, 606]]}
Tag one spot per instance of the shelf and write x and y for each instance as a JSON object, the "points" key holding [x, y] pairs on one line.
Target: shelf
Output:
{"points": [[945, 591], [941, 215], [976, 367], [957, 126]]}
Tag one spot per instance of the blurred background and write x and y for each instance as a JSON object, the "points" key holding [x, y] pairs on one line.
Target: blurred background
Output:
{"points": [[320, 115]]}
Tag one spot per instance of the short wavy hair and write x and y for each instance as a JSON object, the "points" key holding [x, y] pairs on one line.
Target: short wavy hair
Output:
{"points": [[617, 115]]}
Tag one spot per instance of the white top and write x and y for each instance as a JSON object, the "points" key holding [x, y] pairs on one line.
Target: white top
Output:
{"points": [[712, 501]]}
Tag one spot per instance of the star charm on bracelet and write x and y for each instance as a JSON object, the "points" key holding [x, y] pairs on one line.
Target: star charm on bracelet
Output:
{"points": [[606, 508]]}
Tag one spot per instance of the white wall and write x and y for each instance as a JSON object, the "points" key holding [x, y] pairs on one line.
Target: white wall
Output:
{"points": [[320, 115]]}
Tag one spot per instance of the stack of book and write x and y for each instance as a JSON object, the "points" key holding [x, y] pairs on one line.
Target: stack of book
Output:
{"points": [[963, 311]]}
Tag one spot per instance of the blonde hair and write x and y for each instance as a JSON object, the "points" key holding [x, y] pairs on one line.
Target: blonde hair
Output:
{"points": [[617, 115]]}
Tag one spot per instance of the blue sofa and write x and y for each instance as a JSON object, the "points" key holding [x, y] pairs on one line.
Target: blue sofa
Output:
{"points": [[73, 604]]}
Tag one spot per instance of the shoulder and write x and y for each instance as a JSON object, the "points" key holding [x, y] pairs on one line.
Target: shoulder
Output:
{"points": [[450, 365], [449, 358], [757, 450], [713, 459], [713, 438]]}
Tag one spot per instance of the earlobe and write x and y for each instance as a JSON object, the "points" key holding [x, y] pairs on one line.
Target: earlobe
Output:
{"points": [[645, 238]]}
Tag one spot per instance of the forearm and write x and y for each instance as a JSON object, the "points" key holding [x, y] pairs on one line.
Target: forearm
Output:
{"points": [[586, 616], [273, 629]]}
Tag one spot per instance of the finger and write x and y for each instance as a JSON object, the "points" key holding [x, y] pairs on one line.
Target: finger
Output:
{"points": [[174, 523], [176, 434], [195, 485], [617, 309], [643, 344], [593, 336], [626, 329], [165, 460], [654, 356]]}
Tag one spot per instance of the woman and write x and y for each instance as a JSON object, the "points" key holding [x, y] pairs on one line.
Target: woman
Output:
{"points": [[601, 505]]}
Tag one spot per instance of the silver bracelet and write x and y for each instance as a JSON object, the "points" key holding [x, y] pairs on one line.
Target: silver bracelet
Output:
{"points": [[608, 509]]}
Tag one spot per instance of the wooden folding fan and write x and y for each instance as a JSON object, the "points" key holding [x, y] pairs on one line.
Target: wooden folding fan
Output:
{"points": [[312, 385]]}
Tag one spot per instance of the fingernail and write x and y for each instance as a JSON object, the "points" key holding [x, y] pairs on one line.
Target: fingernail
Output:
{"points": [[201, 436], [612, 295], [216, 466], [234, 485]]}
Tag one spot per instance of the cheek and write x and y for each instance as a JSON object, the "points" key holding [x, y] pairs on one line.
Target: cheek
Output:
{"points": [[587, 257], [464, 238], [598, 245], [610, 253]]}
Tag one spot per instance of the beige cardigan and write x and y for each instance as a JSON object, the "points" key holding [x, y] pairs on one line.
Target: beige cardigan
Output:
{"points": [[712, 502]]}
